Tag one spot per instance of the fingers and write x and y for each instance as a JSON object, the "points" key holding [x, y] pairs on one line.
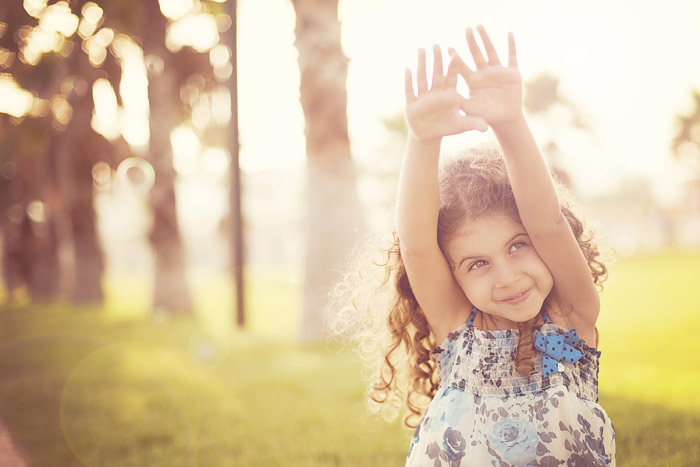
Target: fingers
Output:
{"points": [[438, 80], [458, 65], [438, 77], [488, 46], [471, 121], [472, 118], [461, 124], [474, 49], [512, 59], [421, 76], [410, 95], [491, 54], [465, 105], [453, 70]]}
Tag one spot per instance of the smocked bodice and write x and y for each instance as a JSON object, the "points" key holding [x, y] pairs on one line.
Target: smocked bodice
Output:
{"points": [[483, 363]]}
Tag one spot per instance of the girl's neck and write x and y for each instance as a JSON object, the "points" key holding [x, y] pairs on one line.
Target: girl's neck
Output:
{"points": [[487, 322]]}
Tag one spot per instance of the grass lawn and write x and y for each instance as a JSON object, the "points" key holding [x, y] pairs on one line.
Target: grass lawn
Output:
{"points": [[650, 367], [113, 387]]}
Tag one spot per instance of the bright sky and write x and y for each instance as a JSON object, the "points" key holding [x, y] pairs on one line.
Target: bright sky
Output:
{"points": [[628, 65]]}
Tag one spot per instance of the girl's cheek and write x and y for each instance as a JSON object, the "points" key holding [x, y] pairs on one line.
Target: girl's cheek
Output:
{"points": [[472, 284], [463, 283], [532, 258]]}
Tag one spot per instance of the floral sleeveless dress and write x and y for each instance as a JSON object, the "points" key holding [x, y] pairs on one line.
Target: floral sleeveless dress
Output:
{"points": [[487, 414]]}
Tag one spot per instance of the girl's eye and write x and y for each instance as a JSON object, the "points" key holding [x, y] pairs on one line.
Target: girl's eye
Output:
{"points": [[517, 245], [477, 264]]}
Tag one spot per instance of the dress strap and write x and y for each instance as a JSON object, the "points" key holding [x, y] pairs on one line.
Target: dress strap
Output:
{"points": [[470, 321], [546, 317]]}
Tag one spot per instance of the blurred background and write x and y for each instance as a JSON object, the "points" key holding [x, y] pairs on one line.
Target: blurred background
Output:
{"points": [[180, 181]]}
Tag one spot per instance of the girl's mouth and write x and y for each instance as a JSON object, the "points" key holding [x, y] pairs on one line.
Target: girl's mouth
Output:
{"points": [[519, 298]]}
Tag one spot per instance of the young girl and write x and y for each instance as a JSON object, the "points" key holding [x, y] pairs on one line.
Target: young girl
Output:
{"points": [[495, 285]]}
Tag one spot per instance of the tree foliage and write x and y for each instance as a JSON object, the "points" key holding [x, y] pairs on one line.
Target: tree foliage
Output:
{"points": [[686, 142], [54, 52]]}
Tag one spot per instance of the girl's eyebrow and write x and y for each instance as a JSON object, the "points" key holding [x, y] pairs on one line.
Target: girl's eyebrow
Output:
{"points": [[520, 234], [465, 259], [516, 236]]}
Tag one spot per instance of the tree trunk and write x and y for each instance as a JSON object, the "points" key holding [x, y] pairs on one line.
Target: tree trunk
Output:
{"points": [[88, 258], [170, 291], [334, 217], [79, 146]]}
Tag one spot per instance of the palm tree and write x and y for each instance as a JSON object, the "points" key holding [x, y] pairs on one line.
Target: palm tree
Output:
{"points": [[686, 143], [542, 96], [334, 216]]}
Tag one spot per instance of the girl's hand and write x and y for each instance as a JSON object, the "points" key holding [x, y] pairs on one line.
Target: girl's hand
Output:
{"points": [[495, 91], [435, 112]]}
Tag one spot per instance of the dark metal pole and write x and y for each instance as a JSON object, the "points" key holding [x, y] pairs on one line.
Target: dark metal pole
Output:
{"points": [[236, 217]]}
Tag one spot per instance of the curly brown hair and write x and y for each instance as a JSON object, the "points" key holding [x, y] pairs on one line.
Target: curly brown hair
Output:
{"points": [[393, 330]]}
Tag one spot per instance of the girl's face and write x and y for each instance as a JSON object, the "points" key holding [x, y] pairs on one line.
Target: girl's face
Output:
{"points": [[498, 269]]}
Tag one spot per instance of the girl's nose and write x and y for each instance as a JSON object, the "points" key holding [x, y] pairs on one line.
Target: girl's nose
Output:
{"points": [[507, 274]]}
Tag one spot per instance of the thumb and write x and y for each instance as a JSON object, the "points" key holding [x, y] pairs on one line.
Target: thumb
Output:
{"points": [[472, 122], [472, 118], [467, 106]]}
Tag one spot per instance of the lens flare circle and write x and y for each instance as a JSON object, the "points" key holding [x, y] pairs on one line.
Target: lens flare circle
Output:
{"points": [[143, 398], [137, 174]]}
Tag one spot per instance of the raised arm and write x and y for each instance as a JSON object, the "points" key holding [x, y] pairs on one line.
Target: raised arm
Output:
{"points": [[495, 93], [431, 113]]}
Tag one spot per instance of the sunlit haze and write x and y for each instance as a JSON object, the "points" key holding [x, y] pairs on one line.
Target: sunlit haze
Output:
{"points": [[624, 64]]}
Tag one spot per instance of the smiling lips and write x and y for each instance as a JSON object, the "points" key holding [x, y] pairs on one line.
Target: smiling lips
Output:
{"points": [[518, 298]]}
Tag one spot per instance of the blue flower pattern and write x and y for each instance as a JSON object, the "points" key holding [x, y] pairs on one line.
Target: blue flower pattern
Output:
{"points": [[485, 413], [515, 439]]}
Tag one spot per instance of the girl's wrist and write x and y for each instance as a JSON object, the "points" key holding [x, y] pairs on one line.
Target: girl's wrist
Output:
{"points": [[423, 144], [508, 127]]}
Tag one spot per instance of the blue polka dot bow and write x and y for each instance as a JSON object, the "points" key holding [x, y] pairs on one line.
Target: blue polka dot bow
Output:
{"points": [[557, 348]]}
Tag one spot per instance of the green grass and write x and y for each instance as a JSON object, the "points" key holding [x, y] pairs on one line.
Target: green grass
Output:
{"points": [[650, 367], [86, 386]]}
